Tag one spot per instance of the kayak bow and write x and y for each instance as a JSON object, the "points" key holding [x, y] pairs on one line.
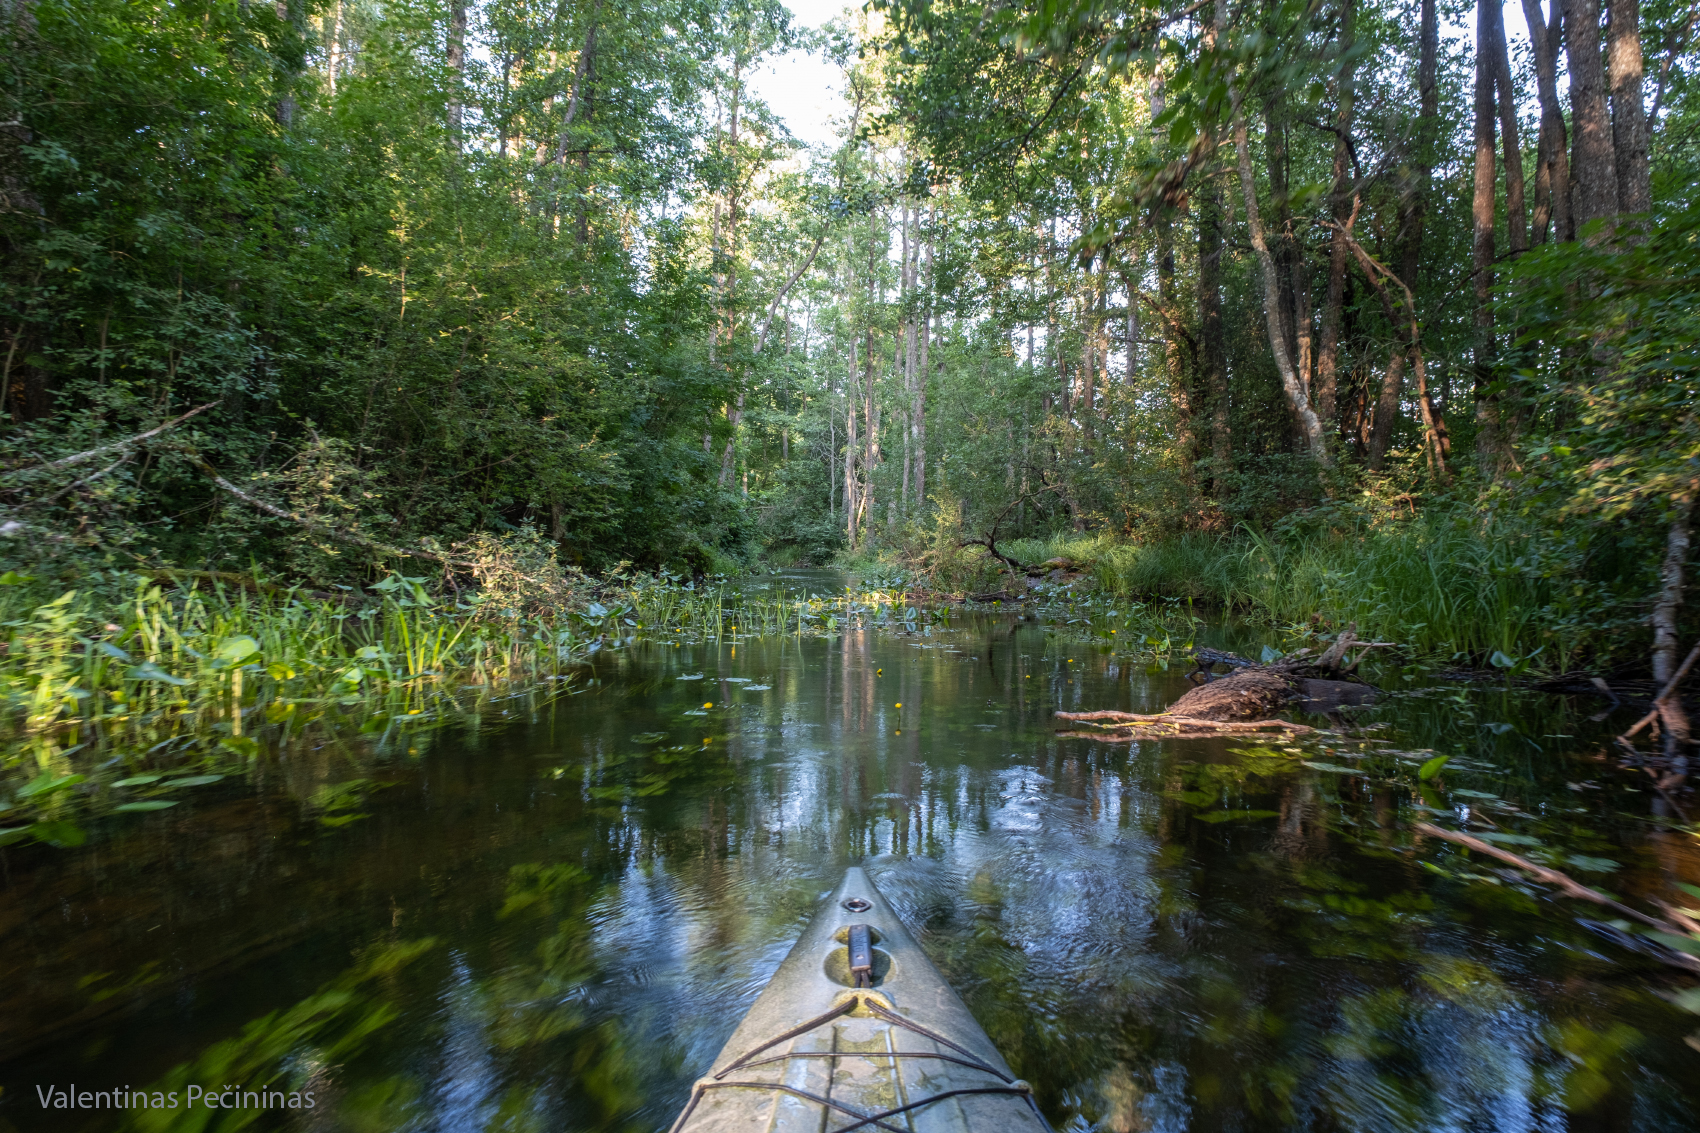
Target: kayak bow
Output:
{"points": [[858, 1030]]}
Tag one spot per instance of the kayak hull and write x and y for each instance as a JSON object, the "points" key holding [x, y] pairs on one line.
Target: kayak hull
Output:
{"points": [[817, 1054]]}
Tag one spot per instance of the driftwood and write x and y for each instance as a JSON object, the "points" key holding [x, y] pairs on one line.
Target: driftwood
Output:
{"points": [[1660, 701], [1122, 727], [1570, 888], [1250, 694], [1242, 702]]}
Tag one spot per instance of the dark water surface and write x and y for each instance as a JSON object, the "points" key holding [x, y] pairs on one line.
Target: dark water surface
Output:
{"points": [[553, 920]]}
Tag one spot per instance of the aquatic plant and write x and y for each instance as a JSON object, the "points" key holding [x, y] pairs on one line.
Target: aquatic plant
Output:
{"points": [[183, 678]]}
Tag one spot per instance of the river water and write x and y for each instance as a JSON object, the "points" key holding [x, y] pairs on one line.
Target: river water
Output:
{"points": [[551, 917]]}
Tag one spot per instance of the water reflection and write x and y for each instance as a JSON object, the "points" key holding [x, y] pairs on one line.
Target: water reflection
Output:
{"points": [[1191, 935]]}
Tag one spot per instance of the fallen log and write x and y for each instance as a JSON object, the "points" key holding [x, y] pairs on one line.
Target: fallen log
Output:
{"points": [[1120, 727]]}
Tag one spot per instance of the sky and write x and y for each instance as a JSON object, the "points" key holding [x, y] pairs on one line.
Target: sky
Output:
{"points": [[801, 88]]}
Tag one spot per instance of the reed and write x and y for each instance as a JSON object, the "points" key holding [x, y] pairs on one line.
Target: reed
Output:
{"points": [[1450, 584], [95, 689]]}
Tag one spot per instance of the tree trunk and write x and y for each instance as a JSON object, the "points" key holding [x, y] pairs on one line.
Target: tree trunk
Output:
{"points": [[1212, 350], [1552, 161], [1310, 425], [333, 39], [1387, 407], [920, 404], [1173, 365], [1482, 245], [1593, 166], [1516, 219], [1628, 110], [1665, 644], [456, 59], [852, 498], [1327, 384], [1414, 186]]}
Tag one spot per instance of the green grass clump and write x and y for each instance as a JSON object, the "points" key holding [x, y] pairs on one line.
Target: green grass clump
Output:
{"points": [[210, 674]]}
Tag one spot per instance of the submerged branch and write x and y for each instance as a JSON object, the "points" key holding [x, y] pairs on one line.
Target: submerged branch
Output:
{"points": [[1565, 884]]}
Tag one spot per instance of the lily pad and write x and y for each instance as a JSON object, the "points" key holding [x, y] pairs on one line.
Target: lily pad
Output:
{"points": [[1334, 767], [1465, 792], [757, 688], [690, 677], [145, 805], [138, 780]]}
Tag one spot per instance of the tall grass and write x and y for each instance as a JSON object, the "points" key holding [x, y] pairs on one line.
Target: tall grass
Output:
{"points": [[146, 685], [1469, 587]]}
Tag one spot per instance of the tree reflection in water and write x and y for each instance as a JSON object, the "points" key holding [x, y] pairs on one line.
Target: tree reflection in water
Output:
{"points": [[555, 924]]}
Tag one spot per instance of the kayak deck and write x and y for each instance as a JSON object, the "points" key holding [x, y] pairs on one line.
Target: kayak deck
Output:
{"points": [[819, 1054]]}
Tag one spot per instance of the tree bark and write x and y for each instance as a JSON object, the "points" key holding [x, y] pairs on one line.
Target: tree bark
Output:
{"points": [[1212, 350], [1552, 168], [1387, 407], [456, 59], [1516, 218], [1173, 365], [920, 405], [1593, 165], [1672, 582], [1628, 110], [1488, 440], [1327, 384], [1413, 207], [1310, 425]]}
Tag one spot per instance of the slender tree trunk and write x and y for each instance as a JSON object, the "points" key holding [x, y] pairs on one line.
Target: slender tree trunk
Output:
{"points": [[456, 58], [1414, 186], [1327, 384], [1516, 218], [1488, 440], [1212, 349], [852, 497], [920, 404], [1387, 407], [1089, 355], [333, 41], [1309, 424], [1212, 346], [1593, 166], [1672, 582], [1552, 168], [1628, 110]]}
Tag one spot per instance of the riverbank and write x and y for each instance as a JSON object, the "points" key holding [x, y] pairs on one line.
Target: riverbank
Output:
{"points": [[1454, 584]]}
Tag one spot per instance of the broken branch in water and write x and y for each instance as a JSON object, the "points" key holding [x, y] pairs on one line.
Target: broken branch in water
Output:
{"points": [[1124, 726], [1659, 701], [1567, 885]]}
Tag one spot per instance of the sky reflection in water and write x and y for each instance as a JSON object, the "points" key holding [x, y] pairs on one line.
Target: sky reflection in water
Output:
{"points": [[1200, 935]]}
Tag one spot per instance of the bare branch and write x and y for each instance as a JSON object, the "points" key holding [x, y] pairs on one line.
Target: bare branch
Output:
{"points": [[102, 450]]}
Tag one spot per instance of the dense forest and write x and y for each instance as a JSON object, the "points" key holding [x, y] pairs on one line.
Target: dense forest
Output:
{"points": [[315, 289]]}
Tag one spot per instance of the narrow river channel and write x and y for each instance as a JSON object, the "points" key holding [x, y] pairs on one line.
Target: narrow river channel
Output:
{"points": [[553, 919]]}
